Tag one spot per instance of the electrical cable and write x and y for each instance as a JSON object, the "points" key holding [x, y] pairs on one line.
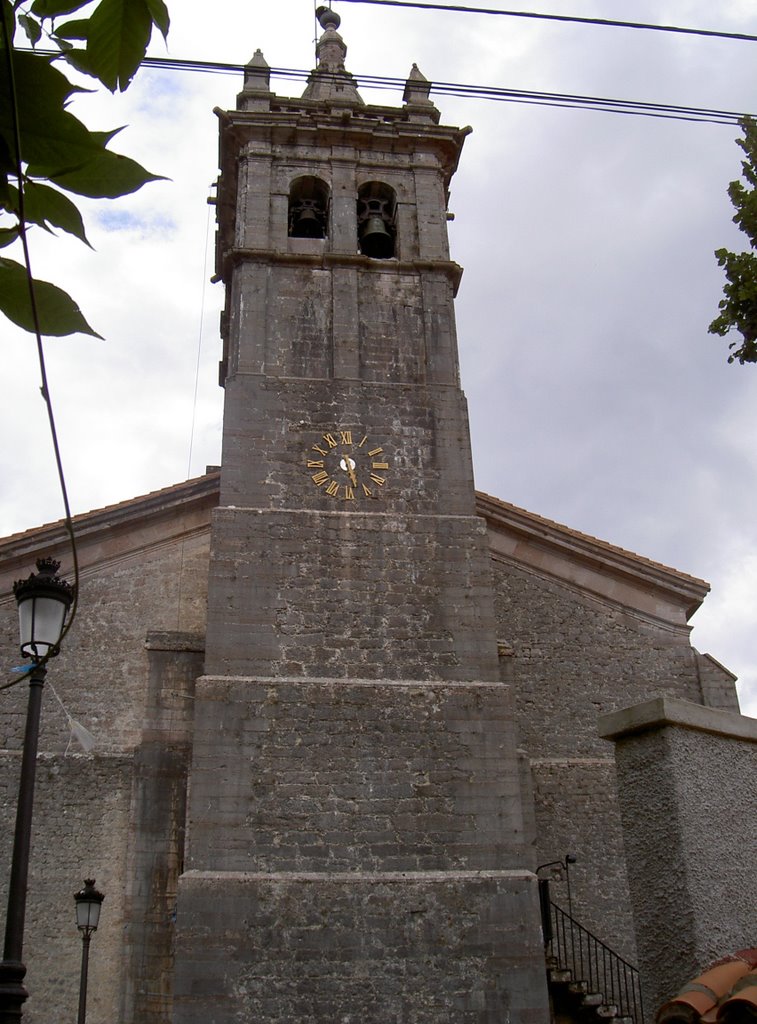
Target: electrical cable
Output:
{"points": [[553, 99], [601, 22], [496, 93]]}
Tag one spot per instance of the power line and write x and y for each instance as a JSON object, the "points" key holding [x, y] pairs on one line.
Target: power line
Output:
{"points": [[602, 22], [550, 99]]}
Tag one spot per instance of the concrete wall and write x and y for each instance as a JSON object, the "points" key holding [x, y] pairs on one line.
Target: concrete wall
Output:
{"points": [[686, 779]]}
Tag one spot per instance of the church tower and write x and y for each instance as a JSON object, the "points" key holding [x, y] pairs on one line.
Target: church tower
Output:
{"points": [[357, 848]]}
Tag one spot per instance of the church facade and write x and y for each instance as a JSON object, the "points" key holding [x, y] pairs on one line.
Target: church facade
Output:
{"points": [[345, 706]]}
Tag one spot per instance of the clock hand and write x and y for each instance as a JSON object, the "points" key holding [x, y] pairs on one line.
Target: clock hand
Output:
{"points": [[349, 468]]}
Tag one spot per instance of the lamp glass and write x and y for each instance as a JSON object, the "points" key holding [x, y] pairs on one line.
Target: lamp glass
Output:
{"points": [[40, 620], [88, 914]]}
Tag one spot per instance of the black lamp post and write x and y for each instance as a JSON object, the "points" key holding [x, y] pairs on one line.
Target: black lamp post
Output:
{"points": [[88, 904], [43, 600]]}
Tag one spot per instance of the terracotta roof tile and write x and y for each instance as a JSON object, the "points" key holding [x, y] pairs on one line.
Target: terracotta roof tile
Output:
{"points": [[725, 993]]}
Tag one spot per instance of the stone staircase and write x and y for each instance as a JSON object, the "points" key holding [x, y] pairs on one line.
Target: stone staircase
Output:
{"points": [[574, 1002], [589, 983]]}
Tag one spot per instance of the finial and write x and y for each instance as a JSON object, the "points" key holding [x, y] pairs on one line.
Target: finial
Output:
{"points": [[416, 97], [328, 18], [330, 81]]}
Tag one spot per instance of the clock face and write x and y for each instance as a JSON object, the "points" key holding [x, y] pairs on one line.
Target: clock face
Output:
{"points": [[347, 465]]}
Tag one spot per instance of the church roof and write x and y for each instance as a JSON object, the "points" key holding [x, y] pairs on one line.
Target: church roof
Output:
{"points": [[516, 536], [590, 564]]}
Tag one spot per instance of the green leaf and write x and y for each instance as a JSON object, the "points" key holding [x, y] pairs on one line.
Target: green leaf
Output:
{"points": [[57, 143], [44, 205], [107, 176], [58, 313], [159, 14], [76, 29], [50, 136], [7, 236], [78, 59], [32, 28], [52, 8], [40, 88], [119, 31]]}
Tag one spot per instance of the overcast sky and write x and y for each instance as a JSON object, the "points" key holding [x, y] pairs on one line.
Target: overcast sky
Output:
{"points": [[597, 397]]}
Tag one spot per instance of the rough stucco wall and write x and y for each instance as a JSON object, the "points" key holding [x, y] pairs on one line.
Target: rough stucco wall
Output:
{"points": [[689, 808], [575, 658]]}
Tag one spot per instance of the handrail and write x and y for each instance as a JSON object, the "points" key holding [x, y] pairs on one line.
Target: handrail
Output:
{"points": [[591, 961]]}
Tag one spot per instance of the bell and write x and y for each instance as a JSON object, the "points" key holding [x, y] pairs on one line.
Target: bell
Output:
{"points": [[375, 239], [307, 224]]}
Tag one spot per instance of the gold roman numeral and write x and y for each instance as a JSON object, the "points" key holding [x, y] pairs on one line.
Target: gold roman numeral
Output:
{"points": [[367, 491], [320, 478], [380, 465], [315, 463], [333, 489], [330, 440], [375, 451], [378, 479], [349, 494], [317, 448], [346, 436], [365, 438]]}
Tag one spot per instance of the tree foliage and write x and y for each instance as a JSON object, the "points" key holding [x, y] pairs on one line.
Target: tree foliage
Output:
{"points": [[738, 307], [45, 151]]}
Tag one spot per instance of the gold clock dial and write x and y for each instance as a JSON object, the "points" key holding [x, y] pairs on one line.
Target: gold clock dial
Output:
{"points": [[347, 465]]}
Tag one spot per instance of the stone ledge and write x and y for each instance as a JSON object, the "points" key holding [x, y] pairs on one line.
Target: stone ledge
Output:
{"points": [[355, 876], [666, 711], [212, 681], [175, 640]]}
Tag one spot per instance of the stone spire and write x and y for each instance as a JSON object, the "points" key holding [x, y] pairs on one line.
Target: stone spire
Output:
{"points": [[330, 80], [416, 97], [256, 92]]}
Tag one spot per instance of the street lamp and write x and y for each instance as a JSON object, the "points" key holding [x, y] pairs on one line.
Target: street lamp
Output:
{"points": [[43, 600], [88, 904]]}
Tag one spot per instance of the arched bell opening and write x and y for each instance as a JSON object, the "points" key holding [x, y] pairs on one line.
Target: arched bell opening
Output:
{"points": [[308, 208], [376, 220]]}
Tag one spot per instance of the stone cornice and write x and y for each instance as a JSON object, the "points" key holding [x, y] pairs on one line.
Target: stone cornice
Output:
{"points": [[115, 532], [453, 271], [666, 711], [646, 588]]}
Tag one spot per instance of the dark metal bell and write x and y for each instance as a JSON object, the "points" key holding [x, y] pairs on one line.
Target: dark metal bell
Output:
{"points": [[375, 239], [307, 224]]}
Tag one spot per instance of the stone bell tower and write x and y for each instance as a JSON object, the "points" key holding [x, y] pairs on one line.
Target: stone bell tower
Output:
{"points": [[356, 848]]}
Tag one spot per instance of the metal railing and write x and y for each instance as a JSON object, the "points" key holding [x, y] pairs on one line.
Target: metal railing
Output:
{"points": [[601, 969]]}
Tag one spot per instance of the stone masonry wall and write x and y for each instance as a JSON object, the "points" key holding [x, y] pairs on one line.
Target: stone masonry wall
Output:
{"points": [[357, 596], [290, 775], [574, 658], [88, 805], [360, 949], [276, 436], [81, 820], [101, 673]]}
